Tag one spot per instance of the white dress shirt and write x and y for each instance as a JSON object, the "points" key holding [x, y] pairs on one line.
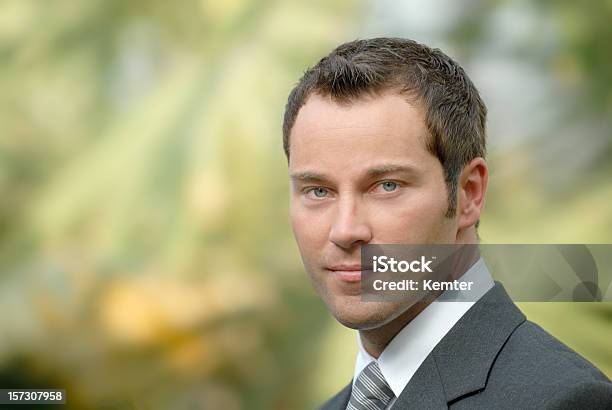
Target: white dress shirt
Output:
{"points": [[410, 347]]}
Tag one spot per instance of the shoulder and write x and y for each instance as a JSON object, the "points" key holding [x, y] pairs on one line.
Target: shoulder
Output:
{"points": [[534, 353], [535, 369]]}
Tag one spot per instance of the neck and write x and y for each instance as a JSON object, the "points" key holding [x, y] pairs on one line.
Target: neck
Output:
{"points": [[374, 341]]}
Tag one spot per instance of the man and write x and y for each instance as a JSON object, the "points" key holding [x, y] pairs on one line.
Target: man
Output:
{"points": [[385, 140]]}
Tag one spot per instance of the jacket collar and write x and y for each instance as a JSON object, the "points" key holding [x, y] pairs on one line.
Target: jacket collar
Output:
{"points": [[460, 363]]}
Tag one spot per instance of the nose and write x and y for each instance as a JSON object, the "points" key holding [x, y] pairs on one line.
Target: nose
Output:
{"points": [[350, 226]]}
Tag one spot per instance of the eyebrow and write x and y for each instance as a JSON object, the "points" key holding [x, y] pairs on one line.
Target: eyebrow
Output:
{"points": [[309, 176], [373, 172], [389, 169]]}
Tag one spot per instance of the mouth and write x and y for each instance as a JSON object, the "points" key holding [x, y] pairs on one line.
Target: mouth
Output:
{"points": [[348, 273]]}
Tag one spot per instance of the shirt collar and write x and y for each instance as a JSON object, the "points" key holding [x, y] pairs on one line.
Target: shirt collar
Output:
{"points": [[408, 349]]}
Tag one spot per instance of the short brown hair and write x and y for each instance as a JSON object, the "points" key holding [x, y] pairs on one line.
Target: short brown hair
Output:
{"points": [[455, 115]]}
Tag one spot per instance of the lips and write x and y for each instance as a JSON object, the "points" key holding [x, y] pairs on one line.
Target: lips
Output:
{"points": [[347, 273]]}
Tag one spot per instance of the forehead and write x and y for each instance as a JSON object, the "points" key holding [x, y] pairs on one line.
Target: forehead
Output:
{"points": [[369, 129]]}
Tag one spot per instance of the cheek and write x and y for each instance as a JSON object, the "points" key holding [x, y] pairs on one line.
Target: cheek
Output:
{"points": [[308, 229], [418, 218]]}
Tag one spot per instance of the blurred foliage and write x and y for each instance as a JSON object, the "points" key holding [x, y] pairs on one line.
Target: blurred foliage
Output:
{"points": [[145, 253], [146, 259]]}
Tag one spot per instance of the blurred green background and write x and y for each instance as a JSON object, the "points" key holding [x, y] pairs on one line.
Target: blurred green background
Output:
{"points": [[146, 258]]}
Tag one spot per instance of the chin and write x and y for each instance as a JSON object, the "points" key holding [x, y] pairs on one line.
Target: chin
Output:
{"points": [[360, 315]]}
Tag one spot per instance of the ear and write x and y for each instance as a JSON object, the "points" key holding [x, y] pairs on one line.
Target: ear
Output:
{"points": [[472, 187]]}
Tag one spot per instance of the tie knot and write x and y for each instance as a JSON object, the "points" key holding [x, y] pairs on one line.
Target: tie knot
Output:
{"points": [[370, 390]]}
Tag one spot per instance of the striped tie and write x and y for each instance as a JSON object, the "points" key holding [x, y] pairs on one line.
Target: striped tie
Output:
{"points": [[370, 391]]}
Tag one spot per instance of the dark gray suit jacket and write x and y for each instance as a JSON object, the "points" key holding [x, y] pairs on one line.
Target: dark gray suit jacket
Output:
{"points": [[494, 358]]}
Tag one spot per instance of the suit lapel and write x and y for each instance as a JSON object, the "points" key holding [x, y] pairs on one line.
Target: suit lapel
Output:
{"points": [[424, 391], [460, 363]]}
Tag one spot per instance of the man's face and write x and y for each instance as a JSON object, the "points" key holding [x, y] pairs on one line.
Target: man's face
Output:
{"points": [[360, 173]]}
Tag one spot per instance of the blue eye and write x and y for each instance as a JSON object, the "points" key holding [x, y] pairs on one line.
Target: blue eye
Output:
{"points": [[320, 192], [389, 186]]}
